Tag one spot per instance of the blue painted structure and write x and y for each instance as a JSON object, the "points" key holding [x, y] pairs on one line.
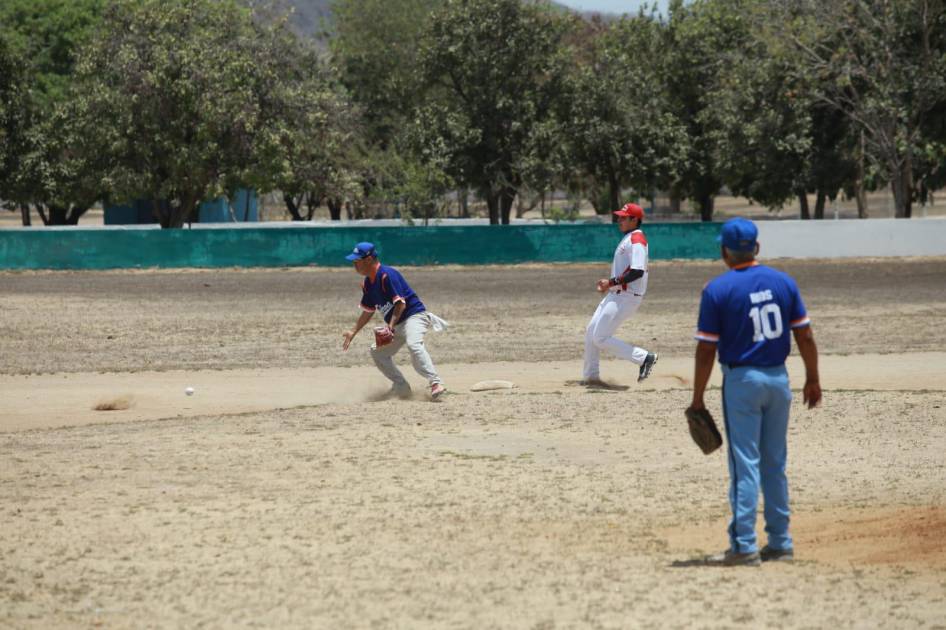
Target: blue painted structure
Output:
{"points": [[140, 212]]}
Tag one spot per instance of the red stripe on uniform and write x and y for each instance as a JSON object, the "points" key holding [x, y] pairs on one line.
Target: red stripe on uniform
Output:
{"points": [[638, 238]]}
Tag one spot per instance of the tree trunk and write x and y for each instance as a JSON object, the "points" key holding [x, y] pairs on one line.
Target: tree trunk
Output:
{"points": [[675, 201], [506, 197], [705, 203], [64, 215], [312, 201], [860, 191], [902, 184], [183, 212], [465, 203], [908, 186], [292, 206], [492, 204], [161, 213], [803, 205], [25, 214], [819, 204], [335, 208], [41, 211], [860, 195]]}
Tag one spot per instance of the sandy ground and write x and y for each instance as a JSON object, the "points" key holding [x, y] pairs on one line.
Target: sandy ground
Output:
{"points": [[286, 492]]}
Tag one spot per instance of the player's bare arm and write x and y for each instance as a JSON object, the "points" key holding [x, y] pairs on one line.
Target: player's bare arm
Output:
{"points": [[703, 368], [805, 340], [399, 307], [348, 335]]}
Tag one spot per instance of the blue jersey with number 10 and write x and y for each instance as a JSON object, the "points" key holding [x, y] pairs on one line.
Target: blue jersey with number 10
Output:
{"points": [[749, 312]]}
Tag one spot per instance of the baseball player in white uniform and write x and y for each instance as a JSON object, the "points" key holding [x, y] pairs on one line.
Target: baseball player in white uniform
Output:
{"points": [[624, 293]]}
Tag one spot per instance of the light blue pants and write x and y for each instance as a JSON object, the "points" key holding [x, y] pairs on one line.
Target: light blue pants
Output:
{"points": [[756, 404]]}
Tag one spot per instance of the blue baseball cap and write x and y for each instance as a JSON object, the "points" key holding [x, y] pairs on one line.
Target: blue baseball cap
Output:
{"points": [[739, 235], [362, 250]]}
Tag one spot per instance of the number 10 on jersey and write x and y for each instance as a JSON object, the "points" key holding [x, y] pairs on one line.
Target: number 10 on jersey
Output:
{"points": [[767, 321]]}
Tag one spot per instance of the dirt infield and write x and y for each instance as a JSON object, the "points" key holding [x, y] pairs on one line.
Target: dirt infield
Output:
{"points": [[285, 493]]}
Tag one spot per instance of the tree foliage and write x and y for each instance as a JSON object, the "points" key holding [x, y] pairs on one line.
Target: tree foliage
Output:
{"points": [[621, 129], [702, 40], [376, 48], [193, 99], [48, 34], [493, 70], [759, 123], [13, 111], [882, 63]]}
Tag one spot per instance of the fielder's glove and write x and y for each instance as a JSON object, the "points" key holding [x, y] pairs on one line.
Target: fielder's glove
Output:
{"points": [[703, 430], [383, 336]]}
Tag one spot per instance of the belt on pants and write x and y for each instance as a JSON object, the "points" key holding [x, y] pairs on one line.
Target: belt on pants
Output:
{"points": [[626, 291]]}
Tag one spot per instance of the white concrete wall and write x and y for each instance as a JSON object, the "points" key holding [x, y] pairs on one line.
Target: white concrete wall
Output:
{"points": [[851, 237]]}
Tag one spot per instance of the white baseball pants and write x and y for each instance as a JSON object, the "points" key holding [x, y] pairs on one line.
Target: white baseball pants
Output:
{"points": [[613, 310], [412, 332]]}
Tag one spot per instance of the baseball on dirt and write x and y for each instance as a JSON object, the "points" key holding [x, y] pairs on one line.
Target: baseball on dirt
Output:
{"points": [[189, 391]]}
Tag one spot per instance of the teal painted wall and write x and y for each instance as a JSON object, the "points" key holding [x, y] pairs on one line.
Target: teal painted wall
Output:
{"points": [[109, 248]]}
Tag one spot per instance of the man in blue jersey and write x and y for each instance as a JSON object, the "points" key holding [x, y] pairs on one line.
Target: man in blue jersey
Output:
{"points": [[746, 315], [385, 290]]}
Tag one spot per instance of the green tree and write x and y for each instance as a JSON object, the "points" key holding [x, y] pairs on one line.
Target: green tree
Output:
{"points": [[49, 34], [493, 70], [59, 169], [759, 124], [376, 46], [621, 130], [882, 63], [319, 144], [14, 111], [702, 40], [188, 96], [49, 172]]}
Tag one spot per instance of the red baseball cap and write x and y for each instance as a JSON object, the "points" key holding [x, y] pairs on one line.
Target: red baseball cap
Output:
{"points": [[630, 210]]}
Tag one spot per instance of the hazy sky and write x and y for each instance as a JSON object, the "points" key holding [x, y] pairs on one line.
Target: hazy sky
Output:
{"points": [[611, 6]]}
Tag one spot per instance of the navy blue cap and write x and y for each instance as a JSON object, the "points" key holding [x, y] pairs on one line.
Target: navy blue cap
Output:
{"points": [[739, 235], [362, 250]]}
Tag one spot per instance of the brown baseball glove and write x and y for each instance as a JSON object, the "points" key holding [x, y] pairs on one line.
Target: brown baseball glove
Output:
{"points": [[383, 336], [703, 430]]}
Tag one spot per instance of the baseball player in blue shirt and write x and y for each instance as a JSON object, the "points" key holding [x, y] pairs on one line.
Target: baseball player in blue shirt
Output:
{"points": [[746, 315], [384, 289]]}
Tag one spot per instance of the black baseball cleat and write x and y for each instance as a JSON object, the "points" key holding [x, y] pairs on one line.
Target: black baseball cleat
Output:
{"points": [[730, 558], [647, 366], [768, 554]]}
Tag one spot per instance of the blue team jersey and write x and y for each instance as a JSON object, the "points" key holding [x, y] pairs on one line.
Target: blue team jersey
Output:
{"points": [[749, 312], [387, 287]]}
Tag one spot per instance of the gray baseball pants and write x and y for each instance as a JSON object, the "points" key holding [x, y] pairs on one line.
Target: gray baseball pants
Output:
{"points": [[410, 332]]}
